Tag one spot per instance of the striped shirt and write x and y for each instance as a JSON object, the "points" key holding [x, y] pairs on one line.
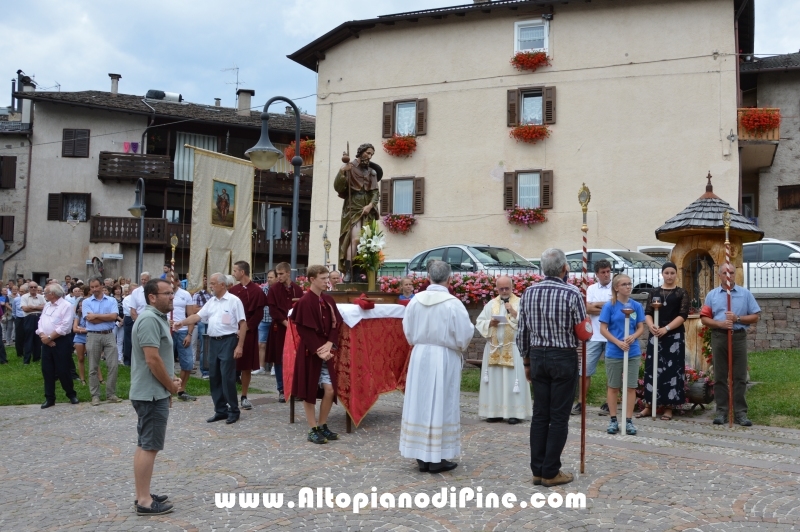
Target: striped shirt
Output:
{"points": [[548, 313]]}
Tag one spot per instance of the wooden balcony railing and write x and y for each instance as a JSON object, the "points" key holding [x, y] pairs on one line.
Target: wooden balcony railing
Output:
{"points": [[280, 247], [744, 134], [132, 166]]}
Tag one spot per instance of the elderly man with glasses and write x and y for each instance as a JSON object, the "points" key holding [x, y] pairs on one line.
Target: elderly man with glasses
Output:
{"points": [[53, 330], [32, 304]]}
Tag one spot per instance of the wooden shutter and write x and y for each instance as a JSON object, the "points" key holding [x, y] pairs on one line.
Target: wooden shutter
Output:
{"points": [[509, 190], [419, 196], [88, 207], [388, 119], [54, 208], [422, 116], [68, 143], [386, 197], [8, 172], [512, 108], [549, 105], [81, 143], [7, 228], [547, 189]]}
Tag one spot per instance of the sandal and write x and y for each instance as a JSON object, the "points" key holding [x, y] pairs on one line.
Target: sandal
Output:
{"points": [[666, 417], [644, 413]]}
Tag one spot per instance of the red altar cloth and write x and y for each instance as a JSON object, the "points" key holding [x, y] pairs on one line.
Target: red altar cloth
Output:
{"points": [[372, 360]]}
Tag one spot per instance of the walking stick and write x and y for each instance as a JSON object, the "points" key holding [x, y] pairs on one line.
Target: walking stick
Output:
{"points": [[627, 310], [726, 221], [656, 304], [584, 196]]}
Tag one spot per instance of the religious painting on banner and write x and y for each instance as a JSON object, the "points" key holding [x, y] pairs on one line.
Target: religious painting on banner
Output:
{"points": [[223, 211]]}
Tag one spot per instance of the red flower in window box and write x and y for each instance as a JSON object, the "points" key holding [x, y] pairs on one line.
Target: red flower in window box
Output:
{"points": [[761, 120], [307, 148], [530, 133], [526, 217], [398, 223], [529, 60], [400, 146]]}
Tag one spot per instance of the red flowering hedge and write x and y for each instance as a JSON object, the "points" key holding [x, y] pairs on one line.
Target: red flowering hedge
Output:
{"points": [[760, 120], [307, 148], [398, 223], [530, 133], [529, 60], [400, 146], [526, 217]]}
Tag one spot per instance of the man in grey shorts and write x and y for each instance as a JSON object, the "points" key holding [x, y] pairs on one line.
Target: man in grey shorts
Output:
{"points": [[152, 386]]}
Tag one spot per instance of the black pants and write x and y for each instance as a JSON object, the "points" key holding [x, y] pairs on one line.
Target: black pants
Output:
{"points": [[222, 375], [33, 344], [719, 352], [126, 340], [56, 365], [553, 374], [19, 335], [3, 355]]}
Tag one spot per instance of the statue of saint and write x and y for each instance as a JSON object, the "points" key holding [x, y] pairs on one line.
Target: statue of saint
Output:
{"points": [[357, 184]]}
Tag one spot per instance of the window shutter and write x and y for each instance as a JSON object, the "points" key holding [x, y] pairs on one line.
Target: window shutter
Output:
{"points": [[7, 228], [419, 195], [422, 116], [549, 103], [54, 207], [81, 143], [386, 197], [68, 143], [509, 190], [512, 105], [547, 189], [388, 119], [8, 172], [88, 207]]}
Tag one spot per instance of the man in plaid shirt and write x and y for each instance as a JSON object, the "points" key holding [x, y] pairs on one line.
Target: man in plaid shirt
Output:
{"points": [[549, 312]]}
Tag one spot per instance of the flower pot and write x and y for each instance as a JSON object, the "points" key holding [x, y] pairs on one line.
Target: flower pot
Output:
{"points": [[700, 393], [371, 280]]}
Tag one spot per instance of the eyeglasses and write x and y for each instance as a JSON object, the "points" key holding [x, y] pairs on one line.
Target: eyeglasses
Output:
{"points": [[170, 294]]}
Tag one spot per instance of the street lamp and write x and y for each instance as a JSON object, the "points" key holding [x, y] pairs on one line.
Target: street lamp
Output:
{"points": [[138, 209], [264, 156]]}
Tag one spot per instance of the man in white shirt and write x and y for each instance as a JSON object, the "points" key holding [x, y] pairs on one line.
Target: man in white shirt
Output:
{"points": [[127, 323], [54, 328], [32, 304], [227, 325], [182, 338], [597, 295], [138, 302]]}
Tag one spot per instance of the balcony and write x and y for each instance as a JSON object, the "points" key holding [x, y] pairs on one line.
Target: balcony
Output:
{"points": [[125, 230], [757, 149], [280, 247], [121, 167]]}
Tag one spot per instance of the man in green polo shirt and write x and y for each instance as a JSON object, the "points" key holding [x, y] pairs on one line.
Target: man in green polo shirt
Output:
{"points": [[153, 383]]}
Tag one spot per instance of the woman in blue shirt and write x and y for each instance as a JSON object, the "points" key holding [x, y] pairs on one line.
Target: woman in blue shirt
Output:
{"points": [[612, 327]]}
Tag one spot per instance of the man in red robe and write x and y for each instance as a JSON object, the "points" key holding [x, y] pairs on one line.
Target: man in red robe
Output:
{"points": [[317, 320], [280, 300], [253, 300]]}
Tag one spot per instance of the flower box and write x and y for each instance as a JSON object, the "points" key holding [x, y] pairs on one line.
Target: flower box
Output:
{"points": [[529, 60], [760, 120], [307, 148], [398, 223], [529, 133], [400, 146], [526, 217]]}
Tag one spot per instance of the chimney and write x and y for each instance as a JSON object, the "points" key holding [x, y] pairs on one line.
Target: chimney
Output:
{"points": [[28, 85], [244, 96], [289, 110], [114, 83], [217, 102]]}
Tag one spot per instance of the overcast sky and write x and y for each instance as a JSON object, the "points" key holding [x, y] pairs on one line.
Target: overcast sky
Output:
{"points": [[184, 46]]}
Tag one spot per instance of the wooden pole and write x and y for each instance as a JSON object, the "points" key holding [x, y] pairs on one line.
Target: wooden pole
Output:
{"points": [[656, 303], [726, 221], [584, 196], [627, 310]]}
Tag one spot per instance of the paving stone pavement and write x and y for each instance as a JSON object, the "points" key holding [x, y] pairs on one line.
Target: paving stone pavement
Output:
{"points": [[69, 468]]}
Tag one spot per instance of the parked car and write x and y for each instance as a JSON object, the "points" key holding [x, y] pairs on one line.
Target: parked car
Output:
{"points": [[644, 270], [393, 267], [492, 260], [772, 266]]}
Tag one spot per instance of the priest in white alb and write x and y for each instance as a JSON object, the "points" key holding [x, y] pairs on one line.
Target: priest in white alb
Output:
{"points": [[504, 390], [438, 326]]}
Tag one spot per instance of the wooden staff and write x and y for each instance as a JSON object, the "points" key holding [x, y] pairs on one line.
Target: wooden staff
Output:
{"points": [[627, 310], [584, 196], [726, 221], [174, 243], [656, 304]]}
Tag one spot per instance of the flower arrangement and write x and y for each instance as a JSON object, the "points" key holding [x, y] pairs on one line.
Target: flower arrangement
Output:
{"points": [[400, 146], [529, 60], [529, 133], [398, 223], [760, 120], [303, 282], [370, 246], [307, 148], [705, 334], [527, 217]]}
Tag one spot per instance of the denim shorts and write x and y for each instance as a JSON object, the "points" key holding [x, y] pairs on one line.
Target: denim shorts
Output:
{"points": [[263, 332], [324, 374], [594, 349], [152, 425], [79, 339], [185, 354], [614, 371]]}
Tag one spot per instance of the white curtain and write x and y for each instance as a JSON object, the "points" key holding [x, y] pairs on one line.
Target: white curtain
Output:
{"points": [[184, 157], [403, 195], [528, 190], [531, 37], [405, 120], [75, 207], [532, 108]]}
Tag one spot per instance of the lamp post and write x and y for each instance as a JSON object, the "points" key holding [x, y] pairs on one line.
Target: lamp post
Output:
{"points": [[264, 156], [138, 209]]}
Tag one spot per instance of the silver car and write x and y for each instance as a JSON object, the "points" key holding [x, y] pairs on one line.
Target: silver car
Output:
{"points": [[491, 260], [644, 270]]}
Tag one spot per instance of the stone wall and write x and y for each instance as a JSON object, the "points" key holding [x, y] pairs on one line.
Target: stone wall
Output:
{"points": [[779, 326]]}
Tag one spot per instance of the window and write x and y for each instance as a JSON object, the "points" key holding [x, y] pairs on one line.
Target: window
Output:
{"points": [[531, 105], [7, 228], [8, 172], [789, 197], [66, 207], [405, 118], [75, 143], [173, 216], [529, 189], [530, 36], [775, 253], [459, 260], [403, 195], [750, 253]]}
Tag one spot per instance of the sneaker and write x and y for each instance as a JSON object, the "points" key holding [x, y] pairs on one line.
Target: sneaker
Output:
{"points": [[721, 419], [157, 498], [246, 404], [205, 376], [630, 428], [743, 421], [328, 433], [561, 478], [113, 399], [604, 410], [281, 398], [259, 371], [576, 410], [315, 436], [183, 396], [95, 401], [272, 371], [156, 508], [613, 427]]}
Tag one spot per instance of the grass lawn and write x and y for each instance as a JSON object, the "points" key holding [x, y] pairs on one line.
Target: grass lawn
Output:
{"points": [[24, 385]]}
